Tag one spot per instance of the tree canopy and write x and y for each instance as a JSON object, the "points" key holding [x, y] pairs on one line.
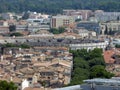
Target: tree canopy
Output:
{"points": [[56, 6], [16, 34], [57, 31], [12, 28], [4, 85], [15, 45], [99, 71], [88, 64]]}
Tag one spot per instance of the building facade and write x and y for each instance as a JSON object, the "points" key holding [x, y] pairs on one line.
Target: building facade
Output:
{"points": [[88, 46], [106, 16], [91, 26], [61, 21]]}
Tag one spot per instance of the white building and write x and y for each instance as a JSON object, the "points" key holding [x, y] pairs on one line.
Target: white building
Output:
{"points": [[89, 45], [25, 84], [116, 41], [106, 16]]}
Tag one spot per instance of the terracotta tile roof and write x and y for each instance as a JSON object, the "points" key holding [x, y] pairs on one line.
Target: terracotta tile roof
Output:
{"points": [[108, 56], [29, 88]]}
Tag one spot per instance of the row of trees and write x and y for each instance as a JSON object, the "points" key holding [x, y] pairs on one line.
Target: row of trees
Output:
{"points": [[56, 6], [117, 46], [15, 45], [88, 65], [57, 31], [109, 32], [16, 34]]}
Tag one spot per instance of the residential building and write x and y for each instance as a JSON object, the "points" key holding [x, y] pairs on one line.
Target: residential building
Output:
{"points": [[38, 24], [110, 26], [4, 27], [78, 14], [89, 45], [85, 33], [3, 23], [91, 26], [21, 28], [4, 30], [35, 66], [61, 21], [102, 16], [7, 16], [116, 41], [35, 15], [36, 27]]}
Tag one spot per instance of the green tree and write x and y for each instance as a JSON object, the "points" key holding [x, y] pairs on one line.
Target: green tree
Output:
{"points": [[12, 28], [16, 34], [98, 71], [118, 18], [95, 53], [79, 74], [106, 30], [26, 15], [117, 46], [88, 64], [96, 61], [9, 45], [110, 32], [4, 85], [61, 29], [15, 45], [56, 6], [24, 46], [57, 31], [80, 63], [77, 20]]}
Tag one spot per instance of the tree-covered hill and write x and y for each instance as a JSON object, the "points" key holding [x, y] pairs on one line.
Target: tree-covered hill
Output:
{"points": [[55, 6]]}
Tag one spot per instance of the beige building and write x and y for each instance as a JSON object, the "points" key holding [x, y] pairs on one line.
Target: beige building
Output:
{"points": [[85, 33], [112, 25], [4, 27], [79, 14], [61, 21]]}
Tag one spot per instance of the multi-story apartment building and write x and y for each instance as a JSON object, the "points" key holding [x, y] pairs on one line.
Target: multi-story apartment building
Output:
{"points": [[78, 14], [7, 16], [61, 21], [91, 26], [102, 16], [112, 25], [4, 27]]}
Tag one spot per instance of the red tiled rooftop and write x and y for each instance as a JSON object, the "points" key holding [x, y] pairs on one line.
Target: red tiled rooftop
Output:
{"points": [[108, 56]]}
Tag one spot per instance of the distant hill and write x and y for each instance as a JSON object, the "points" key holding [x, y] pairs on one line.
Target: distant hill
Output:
{"points": [[56, 6]]}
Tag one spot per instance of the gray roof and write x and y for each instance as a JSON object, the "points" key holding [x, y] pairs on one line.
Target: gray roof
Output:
{"points": [[75, 87]]}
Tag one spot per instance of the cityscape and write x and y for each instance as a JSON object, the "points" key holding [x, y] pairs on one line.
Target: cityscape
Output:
{"points": [[75, 49]]}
